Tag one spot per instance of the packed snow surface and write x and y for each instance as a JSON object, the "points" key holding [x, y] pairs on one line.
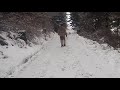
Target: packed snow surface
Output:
{"points": [[81, 58]]}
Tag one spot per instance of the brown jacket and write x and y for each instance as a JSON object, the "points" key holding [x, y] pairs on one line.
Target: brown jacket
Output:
{"points": [[62, 31]]}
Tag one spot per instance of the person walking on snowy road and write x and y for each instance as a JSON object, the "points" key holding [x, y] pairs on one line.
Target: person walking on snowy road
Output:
{"points": [[63, 34]]}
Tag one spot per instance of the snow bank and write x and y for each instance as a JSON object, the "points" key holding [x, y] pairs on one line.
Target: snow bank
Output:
{"points": [[70, 31], [15, 53], [104, 57]]}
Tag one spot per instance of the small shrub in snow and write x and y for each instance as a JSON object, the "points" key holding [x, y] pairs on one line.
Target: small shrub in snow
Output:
{"points": [[21, 43], [2, 42]]}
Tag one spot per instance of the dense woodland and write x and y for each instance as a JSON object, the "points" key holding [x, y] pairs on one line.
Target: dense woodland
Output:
{"points": [[28, 24], [102, 27]]}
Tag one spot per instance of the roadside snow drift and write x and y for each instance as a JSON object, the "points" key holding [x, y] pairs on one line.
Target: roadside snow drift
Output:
{"points": [[15, 52]]}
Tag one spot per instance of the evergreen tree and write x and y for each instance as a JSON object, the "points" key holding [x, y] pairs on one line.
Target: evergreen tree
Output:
{"points": [[59, 20]]}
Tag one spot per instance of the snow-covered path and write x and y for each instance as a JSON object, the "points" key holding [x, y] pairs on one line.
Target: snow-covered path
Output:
{"points": [[81, 58]]}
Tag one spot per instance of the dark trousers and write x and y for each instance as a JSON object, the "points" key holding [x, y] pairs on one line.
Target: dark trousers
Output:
{"points": [[63, 41]]}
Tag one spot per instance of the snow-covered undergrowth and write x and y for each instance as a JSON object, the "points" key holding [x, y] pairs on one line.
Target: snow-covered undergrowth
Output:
{"points": [[16, 52]]}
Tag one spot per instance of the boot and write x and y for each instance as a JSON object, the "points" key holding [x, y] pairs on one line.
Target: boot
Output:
{"points": [[64, 43], [61, 45]]}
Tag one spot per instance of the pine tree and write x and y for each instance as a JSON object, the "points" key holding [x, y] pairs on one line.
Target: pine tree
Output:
{"points": [[58, 20]]}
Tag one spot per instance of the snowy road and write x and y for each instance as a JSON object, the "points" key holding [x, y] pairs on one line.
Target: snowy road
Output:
{"points": [[79, 59]]}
